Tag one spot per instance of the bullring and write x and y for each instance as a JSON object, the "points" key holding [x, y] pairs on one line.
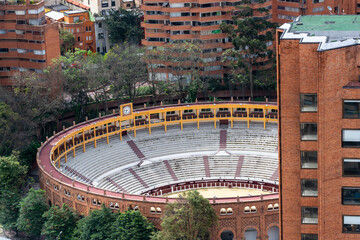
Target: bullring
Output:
{"points": [[133, 158]]}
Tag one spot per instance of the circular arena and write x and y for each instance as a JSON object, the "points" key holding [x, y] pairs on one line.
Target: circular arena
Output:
{"points": [[143, 158]]}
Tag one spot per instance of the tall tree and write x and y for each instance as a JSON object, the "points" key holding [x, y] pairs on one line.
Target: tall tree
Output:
{"points": [[96, 226], [72, 69], [190, 218], [32, 208], [250, 34], [36, 101], [8, 129], [124, 26], [67, 41], [131, 225], [128, 69], [12, 176], [99, 80], [59, 223]]}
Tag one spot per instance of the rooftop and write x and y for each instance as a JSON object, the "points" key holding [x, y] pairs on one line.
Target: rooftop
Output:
{"points": [[55, 15], [60, 7], [74, 12], [330, 31]]}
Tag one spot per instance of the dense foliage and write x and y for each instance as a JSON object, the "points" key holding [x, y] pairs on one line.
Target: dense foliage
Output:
{"points": [[59, 223], [104, 224], [190, 218], [67, 41], [124, 26], [12, 176], [251, 34], [32, 208], [131, 225]]}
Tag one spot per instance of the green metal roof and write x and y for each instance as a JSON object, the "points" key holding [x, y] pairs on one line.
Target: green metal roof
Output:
{"points": [[311, 23]]}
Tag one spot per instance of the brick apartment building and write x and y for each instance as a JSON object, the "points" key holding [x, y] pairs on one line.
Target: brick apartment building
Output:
{"points": [[287, 10], [181, 21], [27, 43], [80, 24], [170, 21], [319, 127]]}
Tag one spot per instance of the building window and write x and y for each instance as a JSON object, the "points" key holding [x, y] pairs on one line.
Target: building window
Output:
{"points": [[20, 12], [100, 25], [113, 3], [308, 131], [318, 1], [318, 9], [76, 19], [308, 102], [4, 69], [350, 138], [351, 167], [309, 236], [39, 52], [351, 109], [309, 215], [78, 39], [4, 50], [350, 196], [309, 188], [351, 224], [101, 36], [308, 159]]}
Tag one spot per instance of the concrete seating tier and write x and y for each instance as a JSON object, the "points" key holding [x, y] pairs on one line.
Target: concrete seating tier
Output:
{"points": [[155, 174], [116, 162]]}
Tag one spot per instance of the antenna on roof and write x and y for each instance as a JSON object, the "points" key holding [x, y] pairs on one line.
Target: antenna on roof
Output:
{"points": [[330, 9]]}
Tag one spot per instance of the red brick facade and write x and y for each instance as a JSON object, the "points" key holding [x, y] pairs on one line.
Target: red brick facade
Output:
{"points": [[27, 43], [302, 69]]}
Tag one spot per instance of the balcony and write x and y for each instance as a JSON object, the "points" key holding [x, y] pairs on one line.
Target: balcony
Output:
{"points": [[19, 2], [12, 2]]}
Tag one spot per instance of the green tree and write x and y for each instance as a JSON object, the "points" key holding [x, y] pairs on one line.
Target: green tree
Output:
{"points": [[124, 26], [128, 69], [67, 41], [96, 226], [28, 155], [32, 208], [99, 80], [131, 225], [184, 59], [72, 69], [38, 100], [190, 218], [8, 129], [250, 34], [59, 223], [12, 176]]}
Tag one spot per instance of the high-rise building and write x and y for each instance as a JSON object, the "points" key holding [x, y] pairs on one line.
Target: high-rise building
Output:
{"points": [[27, 43], [183, 21], [319, 127], [175, 22]]}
